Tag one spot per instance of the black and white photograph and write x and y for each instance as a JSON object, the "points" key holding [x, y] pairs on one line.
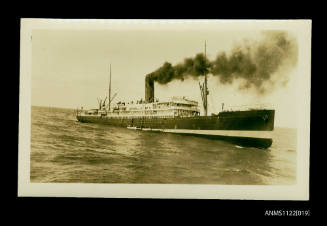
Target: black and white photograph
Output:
{"points": [[165, 108]]}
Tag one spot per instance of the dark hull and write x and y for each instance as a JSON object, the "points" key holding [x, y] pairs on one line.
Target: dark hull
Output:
{"points": [[255, 120]]}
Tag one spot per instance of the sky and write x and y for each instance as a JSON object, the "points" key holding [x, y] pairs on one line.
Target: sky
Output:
{"points": [[70, 68]]}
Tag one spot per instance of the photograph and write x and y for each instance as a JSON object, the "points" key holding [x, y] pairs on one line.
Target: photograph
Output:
{"points": [[212, 109]]}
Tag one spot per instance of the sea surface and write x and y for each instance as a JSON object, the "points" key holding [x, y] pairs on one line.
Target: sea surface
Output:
{"points": [[65, 150]]}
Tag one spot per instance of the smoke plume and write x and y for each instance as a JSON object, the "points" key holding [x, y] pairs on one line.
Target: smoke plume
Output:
{"points": [[255, 63]]}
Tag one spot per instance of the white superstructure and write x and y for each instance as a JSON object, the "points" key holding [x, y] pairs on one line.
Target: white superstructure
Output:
{"points": [[174, 107]]}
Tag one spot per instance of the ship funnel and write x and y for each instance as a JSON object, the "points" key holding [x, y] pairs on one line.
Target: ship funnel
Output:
{"points": [[149, 90]]}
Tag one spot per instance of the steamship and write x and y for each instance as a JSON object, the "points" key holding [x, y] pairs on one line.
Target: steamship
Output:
{"points": [[179, 115]]}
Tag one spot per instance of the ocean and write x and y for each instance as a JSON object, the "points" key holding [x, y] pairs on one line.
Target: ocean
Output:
{"points": [[65, 150]]}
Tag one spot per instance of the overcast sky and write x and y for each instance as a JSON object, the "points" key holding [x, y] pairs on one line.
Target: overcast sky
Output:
{"points": [[70, 68]]}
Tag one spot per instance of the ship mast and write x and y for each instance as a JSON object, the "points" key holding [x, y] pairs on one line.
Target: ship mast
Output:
{"points": [[205, 80], [204, 87], [109, 89]]}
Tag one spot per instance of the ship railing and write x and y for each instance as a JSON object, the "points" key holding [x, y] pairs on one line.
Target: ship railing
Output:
{"points": [[150, 116], [139, 117], [166, 108], [185, 108]]}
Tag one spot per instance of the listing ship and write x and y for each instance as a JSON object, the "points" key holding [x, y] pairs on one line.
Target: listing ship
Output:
{"points": [[179, 115]]}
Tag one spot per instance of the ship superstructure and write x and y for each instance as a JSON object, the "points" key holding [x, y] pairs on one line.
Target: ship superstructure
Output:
{"points": [[174, 107]]}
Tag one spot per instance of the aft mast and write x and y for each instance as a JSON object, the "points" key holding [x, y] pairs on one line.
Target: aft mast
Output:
{"points": [[204, 87]]}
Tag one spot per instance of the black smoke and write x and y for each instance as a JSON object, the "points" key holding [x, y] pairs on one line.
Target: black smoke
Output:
{"points": [[255, 63]]}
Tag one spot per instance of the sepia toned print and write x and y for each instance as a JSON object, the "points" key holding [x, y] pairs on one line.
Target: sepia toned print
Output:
{"points": [[128, 104]]}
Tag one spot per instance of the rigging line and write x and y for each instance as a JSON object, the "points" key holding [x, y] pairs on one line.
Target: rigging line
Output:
{"points": [[212, 103], [109, 90]]}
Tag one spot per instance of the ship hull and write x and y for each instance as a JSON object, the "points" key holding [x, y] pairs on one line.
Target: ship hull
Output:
{"points": [[246, 128]]}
